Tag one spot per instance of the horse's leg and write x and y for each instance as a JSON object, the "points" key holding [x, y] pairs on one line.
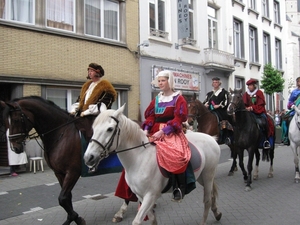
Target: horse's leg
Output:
{"points": [[214, 207], [257, 158], [118, 217], [250, 168], [146, 209], [270, 174], [241, 164], [234, 163], [67, 182], [296, 160]]}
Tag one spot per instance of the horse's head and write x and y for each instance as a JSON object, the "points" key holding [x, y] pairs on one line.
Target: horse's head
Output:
{"points": [[236, 101], [195, 107], [105, 139], [18, 123]]}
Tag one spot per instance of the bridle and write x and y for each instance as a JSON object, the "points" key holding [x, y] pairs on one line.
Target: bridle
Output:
{"points": [[106, 148], [25, 131]]}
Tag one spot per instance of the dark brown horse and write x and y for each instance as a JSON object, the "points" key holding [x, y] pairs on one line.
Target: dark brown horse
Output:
{"points": [[62, 143], [208, 123], [247, 135]]}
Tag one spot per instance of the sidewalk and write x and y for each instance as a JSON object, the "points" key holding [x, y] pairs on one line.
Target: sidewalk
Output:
{"points": [[272, 201]]}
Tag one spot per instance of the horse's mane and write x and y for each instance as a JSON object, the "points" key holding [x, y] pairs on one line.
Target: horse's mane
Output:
{"points": [[129, 127], [42, 101]]}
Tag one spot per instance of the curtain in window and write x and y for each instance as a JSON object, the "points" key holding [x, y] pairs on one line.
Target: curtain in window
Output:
{"points": [[60, 14], [111, 10], [2, 7], [21, 10], [93, 17]]}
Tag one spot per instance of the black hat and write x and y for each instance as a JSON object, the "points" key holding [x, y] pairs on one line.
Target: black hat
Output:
{"points": [[97, 68], [215, 78]]}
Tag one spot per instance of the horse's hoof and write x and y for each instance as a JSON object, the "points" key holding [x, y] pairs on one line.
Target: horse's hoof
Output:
{"points": [[117, 219], [247, 188], [80, 221], [255, 177], [230, 173], [270, 175], [219, 216], [296, 181]]}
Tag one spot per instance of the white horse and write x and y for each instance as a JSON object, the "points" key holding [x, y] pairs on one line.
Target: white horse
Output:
{"points": [[294, 136], [114, 132]]}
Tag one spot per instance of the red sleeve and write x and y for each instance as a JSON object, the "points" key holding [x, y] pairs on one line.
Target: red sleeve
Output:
{"points": [[180, 114]]}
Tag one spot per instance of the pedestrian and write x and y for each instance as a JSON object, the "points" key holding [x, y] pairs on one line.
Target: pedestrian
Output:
{"points": [[15, 160], [93, 92], [254, 101]]}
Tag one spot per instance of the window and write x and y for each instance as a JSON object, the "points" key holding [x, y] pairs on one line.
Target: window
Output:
{"points": [[252, 4], [239, 83], [278, 54], [238, 39], [64, 97], [191, 17], [276, 13], [102, 18], [17, 10], [266, 48], [212, 28], [253, 45], [157, 14], [60, 14], [265, 8]]}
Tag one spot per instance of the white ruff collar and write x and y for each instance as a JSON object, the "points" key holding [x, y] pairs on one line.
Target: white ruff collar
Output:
{"points": [[252, 93], [163, 98]]}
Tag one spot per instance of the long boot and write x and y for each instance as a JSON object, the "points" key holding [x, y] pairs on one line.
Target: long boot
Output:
{"points": [[179, 191]]}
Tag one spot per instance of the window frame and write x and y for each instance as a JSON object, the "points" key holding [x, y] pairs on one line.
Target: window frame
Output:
{"points": [[8, 8], [265, 8], [239, 33], [266, 48], [61, 23], [211, 29], [102, 21], [278, 54], [252, 4], [253, 45], [276, 12]]}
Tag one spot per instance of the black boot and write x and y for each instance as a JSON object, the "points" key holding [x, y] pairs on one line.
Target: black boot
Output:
{"points": [[179, 191]]}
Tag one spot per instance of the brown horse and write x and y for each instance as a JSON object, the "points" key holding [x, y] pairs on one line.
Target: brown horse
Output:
{"points": [[62, 143], [208, 123]]}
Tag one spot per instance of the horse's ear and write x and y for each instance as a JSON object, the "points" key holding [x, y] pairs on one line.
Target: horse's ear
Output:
{"points": [[230, 90], [195, 96], [119, 110], [102, 107]]}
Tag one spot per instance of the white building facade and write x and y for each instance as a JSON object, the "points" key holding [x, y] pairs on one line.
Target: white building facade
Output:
{"points": [[231, 39]]}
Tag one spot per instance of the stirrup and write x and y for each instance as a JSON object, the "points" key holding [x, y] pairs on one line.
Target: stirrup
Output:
{"points": [[266, 145], [227, 141], [177, 198]]}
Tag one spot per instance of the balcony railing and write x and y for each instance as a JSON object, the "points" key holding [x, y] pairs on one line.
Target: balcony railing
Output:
{"points": [[159, 33], [218, 58]]}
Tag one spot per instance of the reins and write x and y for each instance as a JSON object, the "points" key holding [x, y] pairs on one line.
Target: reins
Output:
{"points": [[106, 148]]}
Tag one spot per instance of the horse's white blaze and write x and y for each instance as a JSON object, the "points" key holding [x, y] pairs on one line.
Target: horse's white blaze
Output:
{"points": [[141, 165]]}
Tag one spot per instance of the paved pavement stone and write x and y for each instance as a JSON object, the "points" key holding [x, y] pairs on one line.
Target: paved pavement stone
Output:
{"points": [[272, 200]]}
